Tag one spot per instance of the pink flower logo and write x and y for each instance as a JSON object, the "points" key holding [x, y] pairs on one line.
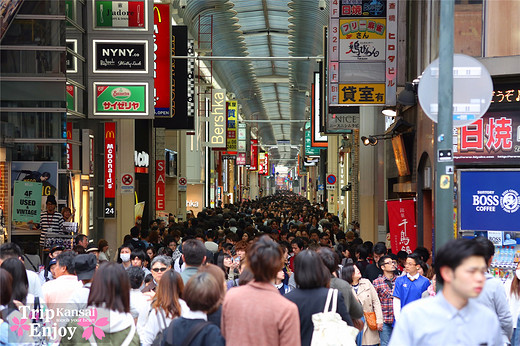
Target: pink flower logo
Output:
{"points": [[19, 325], [92, 324]]}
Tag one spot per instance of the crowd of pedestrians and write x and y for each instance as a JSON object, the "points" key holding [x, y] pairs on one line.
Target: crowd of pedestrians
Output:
{"points": [[255, 274]]}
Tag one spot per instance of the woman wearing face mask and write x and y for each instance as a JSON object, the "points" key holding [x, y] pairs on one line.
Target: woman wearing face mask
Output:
{"points": [[124, 255], [513, 295]]}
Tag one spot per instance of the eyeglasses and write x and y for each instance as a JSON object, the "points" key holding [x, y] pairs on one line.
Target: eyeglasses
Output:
{"points": [[162, 269], [392, 263]]}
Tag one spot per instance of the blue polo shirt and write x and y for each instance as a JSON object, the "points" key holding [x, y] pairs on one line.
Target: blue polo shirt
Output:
{"points": [[408, 291]]}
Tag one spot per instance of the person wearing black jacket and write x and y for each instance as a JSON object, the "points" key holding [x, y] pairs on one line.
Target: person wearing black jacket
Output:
{"points": [[373, 271], [313, 279]]}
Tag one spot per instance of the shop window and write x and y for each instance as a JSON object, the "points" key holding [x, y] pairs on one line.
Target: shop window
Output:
{"points": [[32, 62], [39, 152]]}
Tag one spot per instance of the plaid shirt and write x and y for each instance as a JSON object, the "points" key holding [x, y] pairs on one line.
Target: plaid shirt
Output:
{"points": [[385, 296]]}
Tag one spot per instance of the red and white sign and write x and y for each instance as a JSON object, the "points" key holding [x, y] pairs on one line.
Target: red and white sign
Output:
{"points": [[254, 155], [401, 221], [110, 160], [127, 179], [160, 184], [162, 60], [69, 146], [261, 167], [183, 181], [241, 159]]}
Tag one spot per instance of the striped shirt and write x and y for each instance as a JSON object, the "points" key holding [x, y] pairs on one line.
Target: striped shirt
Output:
{"points": [[50, 223]]}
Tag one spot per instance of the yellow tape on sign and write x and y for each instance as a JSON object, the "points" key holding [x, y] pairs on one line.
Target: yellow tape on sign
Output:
{"points": [[362, 93]]}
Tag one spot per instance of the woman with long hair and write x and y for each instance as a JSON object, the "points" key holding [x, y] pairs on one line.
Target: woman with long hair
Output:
{"points": [[367, 296], [166, 306], [110, 321], [513, 296], [20, 289]]}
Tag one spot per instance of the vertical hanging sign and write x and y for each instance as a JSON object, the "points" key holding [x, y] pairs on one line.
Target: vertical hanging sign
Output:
{"points": [[401, 221], [391, 51], [69, 146], [231, 134], [254, 155], [109, 207], [217, 121], [160, 185], [162, 60], [261, 164]]}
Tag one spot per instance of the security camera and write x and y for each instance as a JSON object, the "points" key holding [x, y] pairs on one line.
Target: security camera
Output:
{"points": [[307, 94], [183, 3], [322, 4]]}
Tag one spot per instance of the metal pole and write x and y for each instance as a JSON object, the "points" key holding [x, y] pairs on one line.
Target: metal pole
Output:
{"points": [[249, 58], [444, 181]]}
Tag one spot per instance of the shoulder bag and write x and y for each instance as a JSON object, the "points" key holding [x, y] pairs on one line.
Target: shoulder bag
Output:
{"points": [[329, 328]]}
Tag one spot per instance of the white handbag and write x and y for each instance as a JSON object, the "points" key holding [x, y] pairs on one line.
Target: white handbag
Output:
{"points": [[329, 328]]}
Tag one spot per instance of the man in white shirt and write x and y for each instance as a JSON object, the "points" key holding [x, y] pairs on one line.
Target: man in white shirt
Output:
{"points": [[60, 290], [139, 303]]}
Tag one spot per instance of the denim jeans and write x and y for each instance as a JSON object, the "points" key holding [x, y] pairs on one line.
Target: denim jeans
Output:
{"points": [[385, 334], [359, 338], [514, 339]]}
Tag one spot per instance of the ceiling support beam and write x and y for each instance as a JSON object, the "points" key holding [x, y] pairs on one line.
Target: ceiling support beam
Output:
{"points": [[252, 58]]}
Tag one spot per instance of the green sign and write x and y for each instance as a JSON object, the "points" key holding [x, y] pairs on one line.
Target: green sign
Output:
{"points": [[309, 150], [70, 98], [121, 99], [27, 201]]}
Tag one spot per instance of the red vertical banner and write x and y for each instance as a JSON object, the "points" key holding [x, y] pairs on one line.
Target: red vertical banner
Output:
{"points": [[266, 164], [160, 184], [69, 146], [162, 60], [110, 170], [254, 155], [403, 229], [136, 14]]}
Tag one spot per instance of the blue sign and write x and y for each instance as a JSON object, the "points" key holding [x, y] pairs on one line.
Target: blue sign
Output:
{"points": [[321, 187], [490, 200], [331, 179]]}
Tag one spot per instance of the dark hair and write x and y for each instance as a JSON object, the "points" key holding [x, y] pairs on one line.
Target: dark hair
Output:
{"points": [[210, 234], [424, 266], [101, 244], [347, 272], [20, 286], [9, 250], [264, 258], [134, 232], [6, 286], [369, 246], [136, 277], [168, 292], [382, 260], [425, 254], [362, 251], [330, 258], [380, 248], [415, 257], [203, 292], [488, 247], [194, 252], [402, 255], [110, 288], [165, 251], [309, 270], [79, 238], [299, 242], [220, 262], [66, 259], [454, 252], [245, 277], [139, 254]]}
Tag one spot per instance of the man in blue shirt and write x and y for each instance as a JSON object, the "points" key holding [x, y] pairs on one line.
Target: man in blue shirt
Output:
{"points": [[409, 287], [451, 317]]}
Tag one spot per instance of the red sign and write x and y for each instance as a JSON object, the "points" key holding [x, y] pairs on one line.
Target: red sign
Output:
{"points": [[160, 184], [241, 159], [401, 221], [254, 155], [162, 60], [493, 139], [69, 146], [266, 164], [110, 160]]}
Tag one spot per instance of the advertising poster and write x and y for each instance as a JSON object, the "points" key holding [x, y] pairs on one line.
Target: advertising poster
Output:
{"points": [[232, 121], [489, 200], [111, 56], [120, 14], [45, 173], [362, 39], [27, 201], [162, 60], [401, 221]]}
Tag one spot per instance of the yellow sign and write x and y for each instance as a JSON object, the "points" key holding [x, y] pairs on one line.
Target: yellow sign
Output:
{"points": [[444, 183], [362, 28], [362, 93]]}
